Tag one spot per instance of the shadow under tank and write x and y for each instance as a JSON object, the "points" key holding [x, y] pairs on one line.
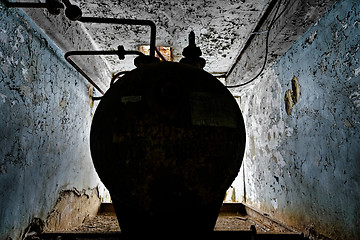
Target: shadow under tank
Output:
{"points": [[167, 140]]}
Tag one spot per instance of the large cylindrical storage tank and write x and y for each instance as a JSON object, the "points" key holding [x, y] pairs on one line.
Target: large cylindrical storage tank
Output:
{"points": [[167, 140]]}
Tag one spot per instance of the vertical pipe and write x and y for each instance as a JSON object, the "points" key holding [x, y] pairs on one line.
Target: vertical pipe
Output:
{"points": [[127, 22]]}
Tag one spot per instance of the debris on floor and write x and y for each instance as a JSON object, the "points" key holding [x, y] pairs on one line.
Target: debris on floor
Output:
{"points": [[107, 223]]}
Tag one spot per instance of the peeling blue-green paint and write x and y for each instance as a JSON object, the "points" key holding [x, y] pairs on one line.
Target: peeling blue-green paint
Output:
{"points": [[45, 116], [303, 168]]}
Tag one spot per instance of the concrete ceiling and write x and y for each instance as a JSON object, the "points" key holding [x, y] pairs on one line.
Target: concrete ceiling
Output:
{"points": [[221, 27]]}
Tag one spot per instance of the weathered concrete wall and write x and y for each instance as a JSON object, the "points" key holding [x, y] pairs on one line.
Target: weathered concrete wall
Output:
{"points": [[72, 209], [45, 116], [291, 19], [71, 36], [303, 169]]}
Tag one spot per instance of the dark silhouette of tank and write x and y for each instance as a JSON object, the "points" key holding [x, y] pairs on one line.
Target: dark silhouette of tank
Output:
{"points": [[167, 140]]}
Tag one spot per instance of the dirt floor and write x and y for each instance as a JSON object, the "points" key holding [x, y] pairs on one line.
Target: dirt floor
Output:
{"points": [[107, 223]]}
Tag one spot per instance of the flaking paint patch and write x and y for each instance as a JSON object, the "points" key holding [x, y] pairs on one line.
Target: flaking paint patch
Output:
{"points": [[274, 203], [355, 97], [261, 143], [3, 98], [314, 182], [39, 139], [289, 104], [19, 38], [311, 37], [295, 86], [3, 36], [357, 71]]}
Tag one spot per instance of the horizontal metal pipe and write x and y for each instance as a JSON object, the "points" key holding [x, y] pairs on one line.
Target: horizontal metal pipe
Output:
{"points": [[127, 22], [24, 5], [67, 57], [83, 53], [112, 52]]}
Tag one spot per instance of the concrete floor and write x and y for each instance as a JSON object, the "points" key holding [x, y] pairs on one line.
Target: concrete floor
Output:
{"points": [[235, 221], [228, 220], [105, 223]]}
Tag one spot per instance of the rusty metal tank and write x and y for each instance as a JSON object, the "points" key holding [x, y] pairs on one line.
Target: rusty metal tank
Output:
{"points": [[167, 140]]}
